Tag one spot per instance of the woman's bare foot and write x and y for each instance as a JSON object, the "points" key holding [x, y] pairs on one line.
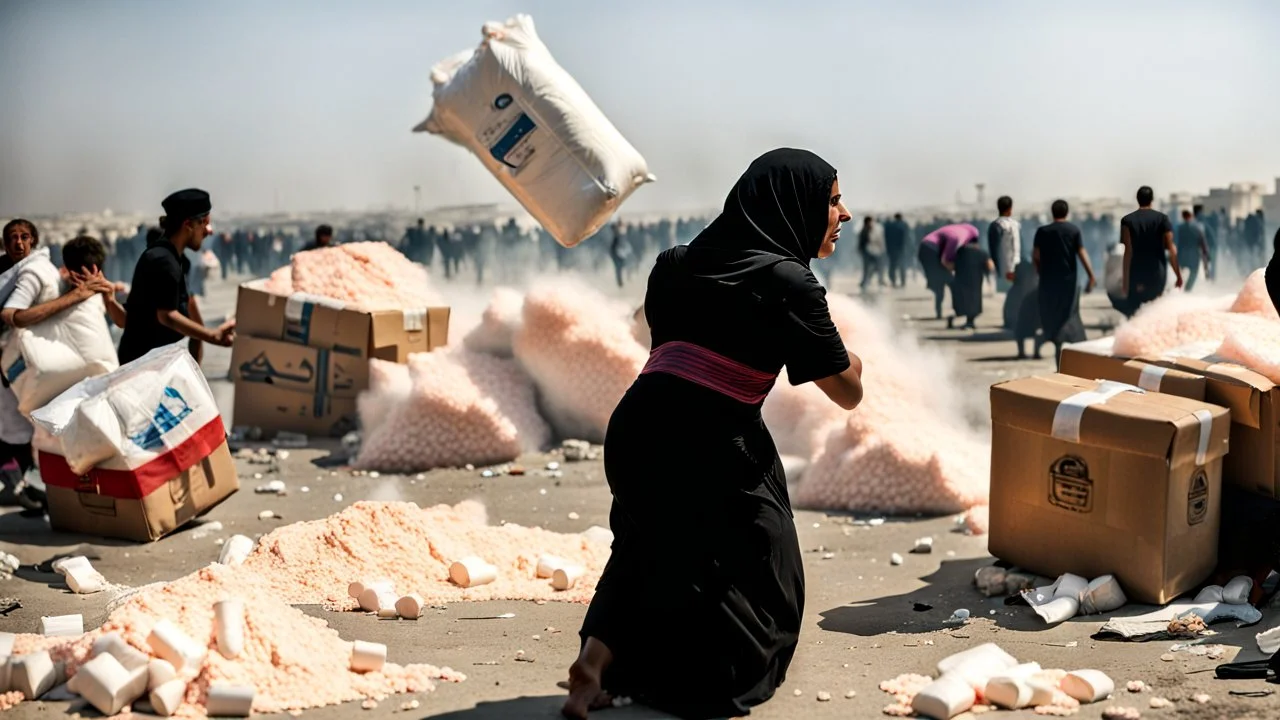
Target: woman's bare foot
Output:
{"points": [[585, 690]]}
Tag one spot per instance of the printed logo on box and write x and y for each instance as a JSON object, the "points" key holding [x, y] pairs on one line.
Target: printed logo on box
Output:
{"points": [[171, 411], [1069, 485], [1198, 498]]}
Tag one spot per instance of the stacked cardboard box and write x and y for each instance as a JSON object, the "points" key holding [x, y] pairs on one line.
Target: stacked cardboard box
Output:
{"points": [[1096, 477], [300, 361], [1254, 402]]}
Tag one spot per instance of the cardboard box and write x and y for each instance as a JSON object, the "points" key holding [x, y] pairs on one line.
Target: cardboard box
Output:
{"points": [[275, 409], [321, 322], [1253, 400], [255, 361], [120, 503], [1146, 375], [1092, 479]]}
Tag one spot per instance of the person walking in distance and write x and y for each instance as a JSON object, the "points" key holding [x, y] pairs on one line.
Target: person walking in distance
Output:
{"points": [[871, 245], [1058, 246], [1004, 241], [1149, 251], [1193, 248], [896, 240]]}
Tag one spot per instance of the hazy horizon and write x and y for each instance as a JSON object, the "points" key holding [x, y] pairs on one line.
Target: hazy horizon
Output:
{"points": [[112, 104]]}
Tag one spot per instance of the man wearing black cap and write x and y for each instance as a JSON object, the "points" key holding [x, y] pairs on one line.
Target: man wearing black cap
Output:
{"points": [[159, 310]]}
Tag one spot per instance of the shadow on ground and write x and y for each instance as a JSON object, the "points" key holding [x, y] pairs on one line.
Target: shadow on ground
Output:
{"points": [[547, 706]]}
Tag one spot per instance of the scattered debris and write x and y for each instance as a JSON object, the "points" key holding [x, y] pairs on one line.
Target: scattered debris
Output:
{"points": [[1121, 713], [1191, 624], [1201, 698], [828, 556], [895, 559], [959, 617], [574, 516], [369, 704], [411, 705], [8, 565], [798, 693], [275, 487], [578, 450], [923, 546], [268, 515], [851, 694], [1136, 686], [337, 497], [1168, 657], [285, 439], [824, 696], [1159, 703]]}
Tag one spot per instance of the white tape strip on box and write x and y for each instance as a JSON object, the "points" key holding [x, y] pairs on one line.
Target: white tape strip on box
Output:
{"points": [[1151, 376], [297, 302], [415, 320], [1066, 420]]}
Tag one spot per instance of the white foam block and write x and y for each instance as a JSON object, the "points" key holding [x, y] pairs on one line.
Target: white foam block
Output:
{"points": [[367, 656], [166, 698], [944, 699], [410, 606], [108, 685], [472, 572], [566, 577], [235, 550], [128, 656], [986, 650], [32, 675], [230, 700], [1088, 686], [62, 626], [548, 564], [171, 644], [228, 623], [159, 672]]}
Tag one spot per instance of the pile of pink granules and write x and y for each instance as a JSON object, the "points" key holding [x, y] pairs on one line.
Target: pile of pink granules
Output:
{"points": [[295, 661]]}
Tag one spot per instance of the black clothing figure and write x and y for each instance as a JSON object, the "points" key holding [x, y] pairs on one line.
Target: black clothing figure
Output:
{"points": [[936, 277], [1149, 267], [1022, 308], [159, 283], [972, 267], [1058, 246], [699, 494]]}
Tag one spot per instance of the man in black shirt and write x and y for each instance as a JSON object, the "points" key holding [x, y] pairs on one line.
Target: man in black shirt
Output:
{"points": [[324, 239], [1147, 236], [896, 240], [160, 310], [1058, 247]]}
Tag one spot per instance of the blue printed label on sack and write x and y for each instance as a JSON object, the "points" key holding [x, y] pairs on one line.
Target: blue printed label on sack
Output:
{"points": [[170, 413], [508, 134]]}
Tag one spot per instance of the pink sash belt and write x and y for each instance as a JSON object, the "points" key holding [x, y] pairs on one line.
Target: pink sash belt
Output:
{"points": [[710, 370]]}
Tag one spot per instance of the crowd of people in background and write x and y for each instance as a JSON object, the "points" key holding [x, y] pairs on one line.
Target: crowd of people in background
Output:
{"points": [[1043, 280]]}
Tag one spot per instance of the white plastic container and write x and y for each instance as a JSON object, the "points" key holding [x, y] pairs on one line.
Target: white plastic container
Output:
{"points": [[472, 572], [367, 656], [230, 700], [228, 623], [166, 698], [410, 606], [1087, 686], [171, 644], [566, 577]]}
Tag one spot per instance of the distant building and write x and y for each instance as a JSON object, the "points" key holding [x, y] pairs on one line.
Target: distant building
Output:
{"points": [[1237, 200]]}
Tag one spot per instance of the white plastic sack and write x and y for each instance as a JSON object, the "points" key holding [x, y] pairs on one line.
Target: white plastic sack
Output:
{"points": [[43, 360], [536, 130], [130, 417], [10, 277]]}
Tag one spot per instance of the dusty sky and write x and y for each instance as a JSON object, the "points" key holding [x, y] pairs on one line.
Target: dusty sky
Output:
{"points": [[114, 103]]}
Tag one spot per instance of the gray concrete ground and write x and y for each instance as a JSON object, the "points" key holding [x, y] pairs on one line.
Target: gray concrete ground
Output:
{"points": [[865, 620]]}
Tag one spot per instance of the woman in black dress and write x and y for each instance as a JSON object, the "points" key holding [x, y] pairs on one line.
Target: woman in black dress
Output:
{"points": [[698, 610]]}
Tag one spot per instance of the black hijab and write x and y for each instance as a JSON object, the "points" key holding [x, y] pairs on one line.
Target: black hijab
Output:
{"points": [[777, 212]]}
